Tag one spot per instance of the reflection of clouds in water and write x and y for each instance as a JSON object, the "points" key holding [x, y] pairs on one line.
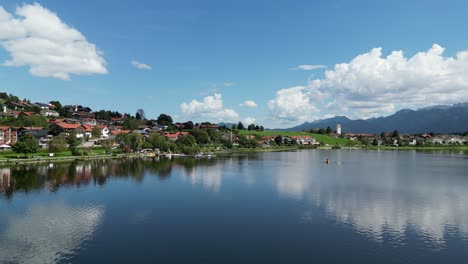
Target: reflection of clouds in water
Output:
{"points": [[373, 211], [375, 205], [46, 233], [209, 176]]}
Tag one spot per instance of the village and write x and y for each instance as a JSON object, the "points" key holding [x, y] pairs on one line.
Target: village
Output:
{"points": [[85, 125]]}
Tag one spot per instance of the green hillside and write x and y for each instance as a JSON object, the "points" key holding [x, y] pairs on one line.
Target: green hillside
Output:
{"points": [[324, 139]]}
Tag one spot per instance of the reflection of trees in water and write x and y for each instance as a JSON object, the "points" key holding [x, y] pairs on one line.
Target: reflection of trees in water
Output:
{"points": [[27, 178]]}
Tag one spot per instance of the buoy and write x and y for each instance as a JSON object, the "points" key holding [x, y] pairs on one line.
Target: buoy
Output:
{"points": [[327, 161]]}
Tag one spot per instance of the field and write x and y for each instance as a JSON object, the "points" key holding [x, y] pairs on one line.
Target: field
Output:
{"points": [[318, 137]]}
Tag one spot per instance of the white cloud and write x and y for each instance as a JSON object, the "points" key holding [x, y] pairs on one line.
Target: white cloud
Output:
{"points": [[210, 108], [248, 103], [308, 67], [140, 65], [37, 38], [228, 84], [292, 105], [249, 120], [371, 85]]}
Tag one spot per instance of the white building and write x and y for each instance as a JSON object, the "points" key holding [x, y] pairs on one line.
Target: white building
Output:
{"points": [[338, 129]]}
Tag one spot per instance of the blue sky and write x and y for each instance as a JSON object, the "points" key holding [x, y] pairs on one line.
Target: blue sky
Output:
{"points": [[274, 63]]}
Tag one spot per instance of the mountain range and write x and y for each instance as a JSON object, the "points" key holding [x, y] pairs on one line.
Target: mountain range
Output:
{"points": [[437, 119]]}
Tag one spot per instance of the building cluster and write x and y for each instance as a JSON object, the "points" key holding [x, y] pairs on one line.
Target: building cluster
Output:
{"points": [[82, 123]]}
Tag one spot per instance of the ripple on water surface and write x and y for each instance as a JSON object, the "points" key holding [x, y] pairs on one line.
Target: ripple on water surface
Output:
{"points": [[48, 233]]}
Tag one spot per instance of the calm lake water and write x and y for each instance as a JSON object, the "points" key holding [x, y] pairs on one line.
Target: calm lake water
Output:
{"points": [[284, 207]]}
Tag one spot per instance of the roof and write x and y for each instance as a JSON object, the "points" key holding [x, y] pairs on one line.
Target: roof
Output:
{"points": [[117, 132], [68, 126], [6, 127], [303, 137], [174, 134], [88, 128], [31, 128]]}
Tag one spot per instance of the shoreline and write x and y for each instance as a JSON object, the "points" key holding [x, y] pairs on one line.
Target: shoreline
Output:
{"points": [[44, 159]]}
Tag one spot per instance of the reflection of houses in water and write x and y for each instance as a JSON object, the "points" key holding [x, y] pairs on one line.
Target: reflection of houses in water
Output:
{"points": [[5, 178]]}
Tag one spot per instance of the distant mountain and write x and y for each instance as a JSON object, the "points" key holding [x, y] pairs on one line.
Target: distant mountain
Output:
{"points": [[228, 125], [438, 119]]}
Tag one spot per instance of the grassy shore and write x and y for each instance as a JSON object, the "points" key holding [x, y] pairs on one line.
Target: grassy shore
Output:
{"points": [[9, 157]]}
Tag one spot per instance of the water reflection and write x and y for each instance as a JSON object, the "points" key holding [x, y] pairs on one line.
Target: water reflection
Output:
{"points": [[385, 196], [382, 194], [24, 179], [47, 233], [52, 177]]}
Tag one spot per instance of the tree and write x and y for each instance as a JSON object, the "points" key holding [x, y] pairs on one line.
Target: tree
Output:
{"points": [[26, 144], [140, 114], [158, 141], [329, 130], [164, 120], [375, 142], [251, 127], [58, 144], [134, 141], [188, 125], [279, 140], [73, 141], [188, 140], [201, 136], [130, 123], [240, 126], [396, 134], [215, 136], [96, 132], [107, 144], [59, 108]]}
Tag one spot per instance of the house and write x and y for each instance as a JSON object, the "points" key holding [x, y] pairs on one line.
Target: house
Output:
{"points": [[88, 130], [88, 121], [66, 129], [42, 135], [455, 140], [174, 135], [209, 126], [114, 133], [435, 140], [8, 135], [250, 136], [412, 142], [104, 131], [304, 140], [48, 112], [44, 106], [20, 105]]}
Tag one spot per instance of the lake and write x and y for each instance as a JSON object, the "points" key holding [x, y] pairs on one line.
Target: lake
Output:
{"points": [[276, 207]]}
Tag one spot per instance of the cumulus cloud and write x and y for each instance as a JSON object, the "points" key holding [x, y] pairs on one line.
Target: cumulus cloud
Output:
{"points": [[308, 67], [249, 120], [372, 85], [210, 108], [292, 105], [140, 65], [248, 103], [36, 37]]}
